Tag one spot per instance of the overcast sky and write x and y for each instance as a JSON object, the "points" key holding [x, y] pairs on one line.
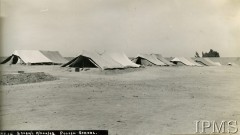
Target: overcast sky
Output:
{"points": [[169, 27]]}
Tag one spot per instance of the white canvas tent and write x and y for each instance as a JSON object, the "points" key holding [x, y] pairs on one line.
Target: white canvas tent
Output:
{"points": [[194, 62], [182, 60], [207, 62], [148, 60], [93, 60], [122, 59], [35, 57], [162, 59]]}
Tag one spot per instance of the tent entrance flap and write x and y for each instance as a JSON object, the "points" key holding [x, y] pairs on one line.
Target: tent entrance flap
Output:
{"points": [[15, 59], [83, 62]]}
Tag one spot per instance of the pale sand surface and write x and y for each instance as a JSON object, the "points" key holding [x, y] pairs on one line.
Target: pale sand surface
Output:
{"points": [[149, 101]]}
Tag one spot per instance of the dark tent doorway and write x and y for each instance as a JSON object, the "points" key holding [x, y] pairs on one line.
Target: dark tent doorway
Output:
{"points": [[81, 62]]}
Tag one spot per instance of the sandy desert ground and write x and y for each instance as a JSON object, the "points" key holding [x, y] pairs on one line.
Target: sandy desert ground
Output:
{"points": [[146, 101]]}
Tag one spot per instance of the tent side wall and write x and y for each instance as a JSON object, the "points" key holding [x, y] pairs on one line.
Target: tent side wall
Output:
{"points": [[162, 59], [200, 62], [123, 60], [157, 61], [54, 56], [204, 62], [166, 61], [32, 57], [213, 63], [182, 60], [152, 59], [194, 62], [111, 63], [142, 61], [130, 63]]}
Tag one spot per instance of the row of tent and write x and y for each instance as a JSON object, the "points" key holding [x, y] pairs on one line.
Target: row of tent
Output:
{"points": [[103, 61]]}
